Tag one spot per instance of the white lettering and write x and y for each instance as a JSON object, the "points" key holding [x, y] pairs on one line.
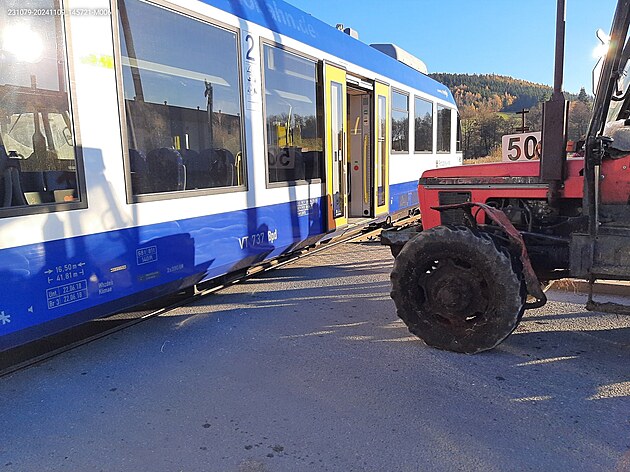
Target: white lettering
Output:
{"points": [[251, 4], [243, 241]]}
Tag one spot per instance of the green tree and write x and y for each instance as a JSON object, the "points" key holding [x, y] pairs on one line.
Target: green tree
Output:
{"points": [[583, 96]]}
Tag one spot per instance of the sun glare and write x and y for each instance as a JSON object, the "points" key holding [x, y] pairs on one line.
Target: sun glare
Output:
{"points": [[23, 43], [600, 50]]}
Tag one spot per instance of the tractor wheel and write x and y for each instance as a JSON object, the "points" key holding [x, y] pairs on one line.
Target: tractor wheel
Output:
{"points": [[456, 290]]}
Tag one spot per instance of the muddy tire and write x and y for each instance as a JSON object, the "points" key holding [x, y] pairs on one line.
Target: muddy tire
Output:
{"points": [[456, 290]]}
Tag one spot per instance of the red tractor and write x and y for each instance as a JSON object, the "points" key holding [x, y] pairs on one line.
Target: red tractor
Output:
{"points": [[493, 235]]}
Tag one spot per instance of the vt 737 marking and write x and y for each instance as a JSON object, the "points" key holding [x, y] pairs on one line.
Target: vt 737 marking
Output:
{"points": [[258, 239]]}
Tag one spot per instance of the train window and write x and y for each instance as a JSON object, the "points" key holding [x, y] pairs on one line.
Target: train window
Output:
{"points": [[182, 101], [443, 129], [423, 113], [293, 117], [38, 159], [458, 136], [400, 122]]}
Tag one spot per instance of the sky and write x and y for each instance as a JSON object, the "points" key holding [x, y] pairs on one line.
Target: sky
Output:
{"points": [[505, 37]]}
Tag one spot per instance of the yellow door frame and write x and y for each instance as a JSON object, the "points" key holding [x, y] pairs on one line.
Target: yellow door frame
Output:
{"points": [[382, 128], [335, 109]]}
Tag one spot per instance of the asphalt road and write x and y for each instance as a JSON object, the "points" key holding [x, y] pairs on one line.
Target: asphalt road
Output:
{"points": [[308, 369]]}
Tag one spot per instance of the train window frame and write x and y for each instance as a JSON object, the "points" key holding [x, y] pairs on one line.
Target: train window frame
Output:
{"points": [[450, 133], [433, 124], [458, 133], [320, 110], [69, 74], [407, 95], [118, 67]]}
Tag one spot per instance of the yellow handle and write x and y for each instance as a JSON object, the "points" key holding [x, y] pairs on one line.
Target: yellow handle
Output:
{"points": [[239, 169]]}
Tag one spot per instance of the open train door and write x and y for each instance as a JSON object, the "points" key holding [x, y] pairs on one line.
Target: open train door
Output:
{"points": [[336, 158], [381, 146]]}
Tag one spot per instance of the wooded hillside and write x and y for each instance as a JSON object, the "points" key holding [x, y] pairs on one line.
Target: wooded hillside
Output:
{"points": [[488, 103], [496, 91]]}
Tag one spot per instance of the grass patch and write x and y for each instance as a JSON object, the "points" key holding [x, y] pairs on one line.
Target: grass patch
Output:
{"points": [[482, 160]]}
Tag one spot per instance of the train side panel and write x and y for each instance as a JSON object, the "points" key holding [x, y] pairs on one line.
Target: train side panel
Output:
{"points": [[102, 245]]}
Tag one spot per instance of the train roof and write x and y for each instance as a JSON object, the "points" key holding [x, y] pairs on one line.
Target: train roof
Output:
{"points": [[285, 19]]}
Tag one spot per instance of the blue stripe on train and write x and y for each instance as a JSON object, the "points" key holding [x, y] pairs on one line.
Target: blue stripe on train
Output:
{"points": [[58, 279], [403, 196]]}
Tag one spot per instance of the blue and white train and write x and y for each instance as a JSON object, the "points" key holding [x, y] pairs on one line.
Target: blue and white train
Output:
{"points": [[147, 146]]}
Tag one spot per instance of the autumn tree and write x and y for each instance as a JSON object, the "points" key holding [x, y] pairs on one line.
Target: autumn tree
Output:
{"points": [[579, 116], [487, 104]]}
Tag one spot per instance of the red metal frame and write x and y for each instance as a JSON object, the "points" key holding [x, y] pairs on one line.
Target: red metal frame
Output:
{"points": [[517, 180]]}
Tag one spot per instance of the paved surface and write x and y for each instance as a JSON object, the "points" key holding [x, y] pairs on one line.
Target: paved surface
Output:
{"points": [[308, 369]]}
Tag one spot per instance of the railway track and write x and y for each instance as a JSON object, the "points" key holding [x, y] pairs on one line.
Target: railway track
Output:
{"points": [[38, 351]]}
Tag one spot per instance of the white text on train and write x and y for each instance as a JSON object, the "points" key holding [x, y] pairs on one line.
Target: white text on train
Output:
{"points": [[258, 239]]}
